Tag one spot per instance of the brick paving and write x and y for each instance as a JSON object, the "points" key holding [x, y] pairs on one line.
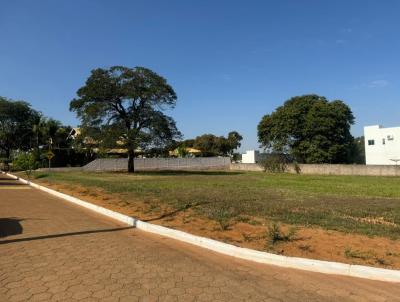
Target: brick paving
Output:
{"points": [[54, 251]]}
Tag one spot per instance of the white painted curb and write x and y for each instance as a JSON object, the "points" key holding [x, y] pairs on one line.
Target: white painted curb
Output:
{"points": [[325, 267]]}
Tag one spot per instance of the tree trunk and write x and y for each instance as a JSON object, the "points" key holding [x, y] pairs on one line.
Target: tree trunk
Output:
{"points": [[131, 161], [7, 161]]}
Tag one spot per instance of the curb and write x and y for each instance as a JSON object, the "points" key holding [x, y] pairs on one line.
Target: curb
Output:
{"points": [[318, 266]]}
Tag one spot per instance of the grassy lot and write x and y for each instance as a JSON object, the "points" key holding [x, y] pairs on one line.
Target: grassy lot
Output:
{"points": [[353, 204]]}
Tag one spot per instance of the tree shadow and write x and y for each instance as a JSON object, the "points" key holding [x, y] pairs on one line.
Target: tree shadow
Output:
{"points": [[191, 172], [65, 235], [10, 226], [174, 212], [7, 181], [165, 215]]}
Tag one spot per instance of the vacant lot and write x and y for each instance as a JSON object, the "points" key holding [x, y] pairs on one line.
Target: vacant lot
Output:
{"points": [[345, 218]]}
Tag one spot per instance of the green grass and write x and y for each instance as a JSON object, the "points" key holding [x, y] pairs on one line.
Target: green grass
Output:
{"points": [[343, 203]]}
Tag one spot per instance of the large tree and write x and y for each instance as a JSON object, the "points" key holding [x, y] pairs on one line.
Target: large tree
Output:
{"points": [[211, 144], [125, 106], [50, 133], [309, 128], [16, 125], [233, 142]]}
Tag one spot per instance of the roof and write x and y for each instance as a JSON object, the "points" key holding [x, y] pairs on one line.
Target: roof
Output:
{"points": [[187, 149]]}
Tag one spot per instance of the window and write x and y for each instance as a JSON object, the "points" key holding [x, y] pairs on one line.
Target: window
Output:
{"points": [[383, 141], [371, 142], [390, 137]]}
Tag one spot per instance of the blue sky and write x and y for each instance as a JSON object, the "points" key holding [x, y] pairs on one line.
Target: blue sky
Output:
{"points": [[230, 62]]}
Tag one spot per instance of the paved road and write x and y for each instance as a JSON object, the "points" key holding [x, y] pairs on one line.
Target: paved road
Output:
{"points": [[51, 251]]}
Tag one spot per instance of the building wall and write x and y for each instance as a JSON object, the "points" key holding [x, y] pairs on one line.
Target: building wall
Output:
{"points": [[382, 145], [250, 157]]}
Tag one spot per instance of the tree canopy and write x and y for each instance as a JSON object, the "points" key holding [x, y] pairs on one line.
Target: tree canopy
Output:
{"points": [[125, 107], [309, 128], [211, 144], [16, 125], [50, 133]]}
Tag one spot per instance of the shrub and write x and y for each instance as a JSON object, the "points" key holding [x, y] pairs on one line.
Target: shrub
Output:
{"points": [[275, 234], [297, 168], [350, 253], [25, 162], [275, 163]]}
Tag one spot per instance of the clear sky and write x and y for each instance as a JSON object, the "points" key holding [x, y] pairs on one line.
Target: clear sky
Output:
{"points": [[230, 62]]}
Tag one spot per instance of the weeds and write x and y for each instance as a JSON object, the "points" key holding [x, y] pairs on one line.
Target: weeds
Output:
{"points": [[381, 261], [368, 255], [350, 253], [242, 218], [305, 248], [275, 234], [254, 222], [223, 214], [247, 238], [388, 253]]}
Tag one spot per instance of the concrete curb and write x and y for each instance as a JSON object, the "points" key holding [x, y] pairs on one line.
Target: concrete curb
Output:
{"points": [[325, 267]]}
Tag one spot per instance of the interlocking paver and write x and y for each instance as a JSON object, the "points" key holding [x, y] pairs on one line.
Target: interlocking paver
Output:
{"points": [[51, 250]]}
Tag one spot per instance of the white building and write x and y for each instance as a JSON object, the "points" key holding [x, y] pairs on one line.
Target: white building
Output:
{"points": [[250, 157], [382, 145]]}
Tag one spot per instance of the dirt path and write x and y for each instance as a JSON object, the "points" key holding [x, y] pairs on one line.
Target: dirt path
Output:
{"points": [[51, 250]]}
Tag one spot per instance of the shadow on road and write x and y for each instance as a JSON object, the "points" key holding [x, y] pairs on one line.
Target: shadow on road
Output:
{"points": [[64, 235], [7, 181], [10, 226]]}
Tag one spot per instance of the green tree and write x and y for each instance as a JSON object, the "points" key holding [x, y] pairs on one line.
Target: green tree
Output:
{"points": [[25, 161], [38, 129], [233, 142], [310, 129], [358, 151], [188, 143], [126, 105], [16, 125], [211, 144], [181, 150], [51, 134]]}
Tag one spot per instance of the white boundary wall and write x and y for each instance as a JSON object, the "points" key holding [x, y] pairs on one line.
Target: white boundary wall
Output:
{"points": [[157, 164], [231, 250], [330, 169]]}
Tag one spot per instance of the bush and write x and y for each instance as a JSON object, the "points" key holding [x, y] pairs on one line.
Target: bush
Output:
{"points": [[275, 234], [275, 163], [25, 162], [297, 168]]}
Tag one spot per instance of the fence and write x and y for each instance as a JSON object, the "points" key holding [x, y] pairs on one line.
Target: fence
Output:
{"points": [[157, 164], [361, 170], [328, 169]]}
